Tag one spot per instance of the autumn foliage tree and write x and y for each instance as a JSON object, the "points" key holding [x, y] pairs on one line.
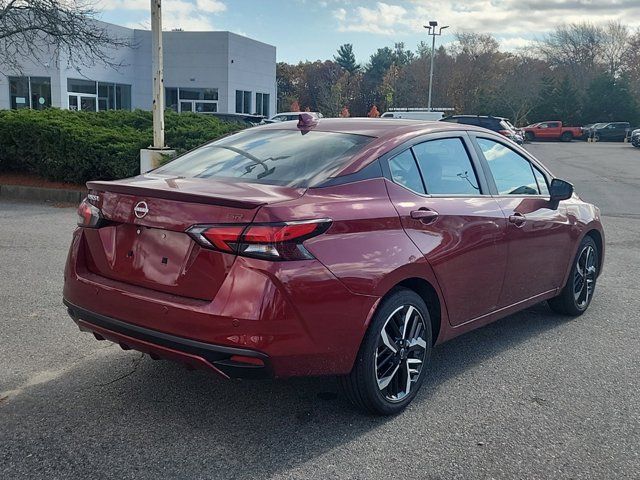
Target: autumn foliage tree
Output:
{"points": [[554, 78]]}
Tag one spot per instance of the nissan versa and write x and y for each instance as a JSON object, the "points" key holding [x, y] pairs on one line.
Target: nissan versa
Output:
{"points": [[344, 247]]}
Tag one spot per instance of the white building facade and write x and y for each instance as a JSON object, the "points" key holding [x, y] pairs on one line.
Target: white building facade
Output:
{"points": [[203, 72]]}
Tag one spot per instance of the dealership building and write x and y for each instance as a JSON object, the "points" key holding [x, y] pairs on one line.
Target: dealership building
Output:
{"points": [[203, 72]]}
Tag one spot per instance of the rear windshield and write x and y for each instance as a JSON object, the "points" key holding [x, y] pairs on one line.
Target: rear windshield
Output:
{"points": [[274, 157]]}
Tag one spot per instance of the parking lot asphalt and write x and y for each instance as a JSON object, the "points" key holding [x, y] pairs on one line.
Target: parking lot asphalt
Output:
{"points": [[534, 395]]}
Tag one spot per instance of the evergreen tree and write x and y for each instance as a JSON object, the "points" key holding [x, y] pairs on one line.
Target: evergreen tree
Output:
{"points": [[346, 58], [609, 99], [565, 102]]}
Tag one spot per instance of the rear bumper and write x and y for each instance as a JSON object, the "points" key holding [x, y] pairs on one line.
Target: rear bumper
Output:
{"points": [[159, 345]]}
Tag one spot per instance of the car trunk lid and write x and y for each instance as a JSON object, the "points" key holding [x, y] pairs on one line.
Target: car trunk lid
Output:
{"points": [[144, 241]]}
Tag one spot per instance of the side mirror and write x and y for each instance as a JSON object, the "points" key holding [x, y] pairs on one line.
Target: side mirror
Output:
{"points": [[560, 190]]}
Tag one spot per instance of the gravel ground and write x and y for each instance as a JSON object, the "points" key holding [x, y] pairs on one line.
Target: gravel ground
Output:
{"points": [[531, 396]]}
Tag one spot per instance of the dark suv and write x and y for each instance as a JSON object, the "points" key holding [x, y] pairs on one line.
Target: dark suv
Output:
{"points": [[497, 124], [613, 131]]}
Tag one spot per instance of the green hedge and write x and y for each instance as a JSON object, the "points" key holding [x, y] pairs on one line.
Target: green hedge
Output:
{"points": [[68, 146]]}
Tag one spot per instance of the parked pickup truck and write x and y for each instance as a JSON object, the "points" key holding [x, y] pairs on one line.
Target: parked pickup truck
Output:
{"points": [[552, 131]]}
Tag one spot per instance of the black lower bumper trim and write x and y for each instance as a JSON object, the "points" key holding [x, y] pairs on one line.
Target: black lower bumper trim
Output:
{"points": [[217, 355]]}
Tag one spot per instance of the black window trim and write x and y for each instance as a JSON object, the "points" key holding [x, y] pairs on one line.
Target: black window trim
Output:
{"points": [[516, 149], [471, 152]]}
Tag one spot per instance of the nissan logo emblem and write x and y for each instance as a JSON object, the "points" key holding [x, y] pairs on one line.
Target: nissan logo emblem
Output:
{"points": [[141, 209]]}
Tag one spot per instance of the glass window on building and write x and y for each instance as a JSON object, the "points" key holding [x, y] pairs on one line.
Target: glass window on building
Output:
{"points": [[30, 92], [114, 96], [123, 97], [77, 85], [40, 92], [106, 96], [262, 104], [19, 92], [171, 98], [243, 101], [187, 99]]}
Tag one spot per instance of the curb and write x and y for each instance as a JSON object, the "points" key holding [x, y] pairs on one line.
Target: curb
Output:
{"points": [[57, 195]]}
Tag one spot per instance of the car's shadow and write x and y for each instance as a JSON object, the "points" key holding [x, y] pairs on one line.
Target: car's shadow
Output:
{"points": [[117, 409]]}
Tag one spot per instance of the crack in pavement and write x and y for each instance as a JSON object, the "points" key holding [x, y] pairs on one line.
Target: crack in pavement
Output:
{"points": [[136, 363]]}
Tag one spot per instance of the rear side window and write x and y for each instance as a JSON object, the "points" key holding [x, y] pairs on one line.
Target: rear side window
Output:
{"points": [[446, 167], [404, 171], [490, 123], [273, 157], [512, 173]]}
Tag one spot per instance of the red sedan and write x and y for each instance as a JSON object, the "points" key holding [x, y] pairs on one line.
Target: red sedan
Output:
{"points": [[344, 247]]}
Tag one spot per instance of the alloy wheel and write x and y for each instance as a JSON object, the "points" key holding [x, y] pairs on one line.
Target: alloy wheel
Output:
{"points": [[584, 279], [401, 352]]}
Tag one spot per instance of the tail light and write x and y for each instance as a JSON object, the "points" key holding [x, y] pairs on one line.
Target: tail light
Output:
{"points": [[89, 215], [269, 241]]}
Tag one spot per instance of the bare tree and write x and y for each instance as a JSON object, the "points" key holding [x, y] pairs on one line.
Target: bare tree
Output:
{"points": [[54, 31], [575, 49], [615, 46]]}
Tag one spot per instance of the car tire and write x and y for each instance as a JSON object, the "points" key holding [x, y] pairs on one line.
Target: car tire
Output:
{"points": [[576, 296], [566, 137], [529, 136], [596, 138], [386, 388]]}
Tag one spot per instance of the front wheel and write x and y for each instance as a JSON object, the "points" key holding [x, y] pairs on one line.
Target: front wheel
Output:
{"points": [[529, 136], [575, 297], [393, 358]]}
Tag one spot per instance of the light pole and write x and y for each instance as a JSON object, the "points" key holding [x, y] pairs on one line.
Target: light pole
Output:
{"points": [[158, 74], [157, 153], [434, 31]]}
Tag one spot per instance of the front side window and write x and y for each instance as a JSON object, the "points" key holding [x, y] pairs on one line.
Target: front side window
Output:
{"points": [[276, 157], [512, 173], [404, 171], [446, 167]]}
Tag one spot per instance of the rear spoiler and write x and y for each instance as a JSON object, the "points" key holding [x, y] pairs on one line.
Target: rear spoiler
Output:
{"points": [[173, 194]]}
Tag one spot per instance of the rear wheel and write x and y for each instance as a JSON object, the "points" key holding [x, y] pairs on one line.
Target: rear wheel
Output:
{"points": [[575, 297], [566, 137], [530, 136], [393, 358]]}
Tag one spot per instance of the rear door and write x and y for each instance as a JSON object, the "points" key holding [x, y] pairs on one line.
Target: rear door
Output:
{"points": [[538, 232], [446, 211]]}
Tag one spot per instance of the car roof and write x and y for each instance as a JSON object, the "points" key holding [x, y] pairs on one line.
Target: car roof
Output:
{"points": [[387, 133], [476, 116], [290, 113], [372, 127]]}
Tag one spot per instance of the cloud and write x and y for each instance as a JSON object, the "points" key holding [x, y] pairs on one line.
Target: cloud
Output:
{"points": [[508, 18], [340, 14], [383, 19], [184, 14], [211, 6]]}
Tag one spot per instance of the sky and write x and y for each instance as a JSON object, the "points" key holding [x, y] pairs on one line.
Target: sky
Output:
{"points": [[313, 29]]}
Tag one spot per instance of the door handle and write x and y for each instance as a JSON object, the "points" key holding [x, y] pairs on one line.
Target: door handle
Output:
{"points": [[517, 219], [424, 215]]}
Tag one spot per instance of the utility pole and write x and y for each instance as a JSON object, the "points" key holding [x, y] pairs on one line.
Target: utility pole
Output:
{"points": [[156, 154], [158, 74], [434, 31]]}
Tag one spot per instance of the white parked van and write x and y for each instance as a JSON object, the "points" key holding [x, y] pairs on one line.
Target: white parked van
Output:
{"points": [[414, 115]]}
